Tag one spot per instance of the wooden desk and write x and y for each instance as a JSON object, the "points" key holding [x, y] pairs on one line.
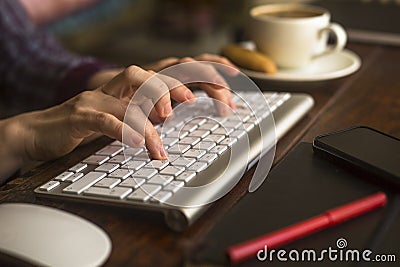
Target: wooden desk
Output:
{"points": [[369, 97]]}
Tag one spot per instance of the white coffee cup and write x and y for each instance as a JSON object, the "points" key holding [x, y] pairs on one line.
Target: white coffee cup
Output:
{"points": [[293, 34]]}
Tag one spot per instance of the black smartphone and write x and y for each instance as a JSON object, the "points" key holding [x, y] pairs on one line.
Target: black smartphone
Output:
{"points": [[373, 153]]}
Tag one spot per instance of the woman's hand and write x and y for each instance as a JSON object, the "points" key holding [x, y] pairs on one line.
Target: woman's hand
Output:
{"points": [[220, 93], [108, 110], [217, 88]]}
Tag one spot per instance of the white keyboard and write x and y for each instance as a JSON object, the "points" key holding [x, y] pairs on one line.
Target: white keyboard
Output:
{"points": [[198, 146]]}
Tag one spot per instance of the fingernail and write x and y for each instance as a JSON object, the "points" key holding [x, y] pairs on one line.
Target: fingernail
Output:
{"points": [[163, 152], [189, 95], [232, 104], [234, 71]]}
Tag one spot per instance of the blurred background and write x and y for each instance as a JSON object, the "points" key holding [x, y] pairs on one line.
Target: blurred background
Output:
{"points": [[140, 31]]}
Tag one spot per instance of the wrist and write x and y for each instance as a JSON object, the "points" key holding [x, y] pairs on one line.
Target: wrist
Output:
{"points": [[11, 151], [84, 76], [101, 77]]}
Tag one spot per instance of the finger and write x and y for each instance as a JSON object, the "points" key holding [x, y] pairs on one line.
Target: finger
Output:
{"points": [[135, 121], [178, 91], [98, 102], [203, 72], [109, 125], [139, 121], [231, 70], [139, 84], [162, 64], [223, 97], [148, 110]]}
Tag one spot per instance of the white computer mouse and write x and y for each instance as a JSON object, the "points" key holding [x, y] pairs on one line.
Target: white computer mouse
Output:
{"points": [[46, 236]]}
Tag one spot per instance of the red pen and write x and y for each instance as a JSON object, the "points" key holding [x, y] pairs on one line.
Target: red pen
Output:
{"points": [[240, 252]]}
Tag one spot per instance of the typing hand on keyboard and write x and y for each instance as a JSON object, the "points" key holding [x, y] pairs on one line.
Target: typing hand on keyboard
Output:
{"points": [[54, 132]]}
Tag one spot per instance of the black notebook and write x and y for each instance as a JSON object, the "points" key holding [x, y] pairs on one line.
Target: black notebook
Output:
{"points": [[301, 186]]}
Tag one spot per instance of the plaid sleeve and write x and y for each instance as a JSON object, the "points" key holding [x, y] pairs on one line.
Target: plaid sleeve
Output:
{"points": [[35, 70]]}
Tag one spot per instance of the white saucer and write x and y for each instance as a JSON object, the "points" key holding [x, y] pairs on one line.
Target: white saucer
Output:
{"points": [[323, 68]]}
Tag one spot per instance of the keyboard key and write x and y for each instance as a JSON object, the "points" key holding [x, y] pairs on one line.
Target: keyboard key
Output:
{"points": [[132, 182], [219, 149], [220, 120], [134, 165], [205, 145], [254, 121], [84, 183], [198, 166], [178, 135], [169, 141], [209, 158], [121, 174], [189, 128], [145, 173], [117, 192], [183, 162], [49, 186], [200, 133], [193, 153], [157, 164], [162, 131], [75, 177], [107, 167], [228, 141], [144, 192], [215, 138], [238, 134], [108, 182], [172, 170], [244, 117], [233, 124], [221, 131], [143, 156], [178, 149], [110, 151], [190, 140], [198, 121], [248, 126], [174, 186], [133, 151], [160, 179], [78, 167], [161, 197], [173, 157], [96, 159], [210, 126], [120, 159], [63, 176], [186, 176]]}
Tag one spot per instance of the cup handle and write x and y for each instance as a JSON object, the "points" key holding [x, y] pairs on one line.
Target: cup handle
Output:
{"points": [[340, 39]]}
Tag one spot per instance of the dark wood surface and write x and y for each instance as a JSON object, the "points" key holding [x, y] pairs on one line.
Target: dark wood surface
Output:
{"points": [[369, 97]]}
